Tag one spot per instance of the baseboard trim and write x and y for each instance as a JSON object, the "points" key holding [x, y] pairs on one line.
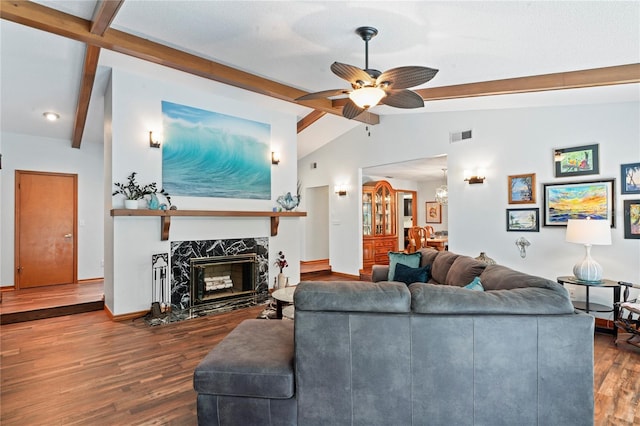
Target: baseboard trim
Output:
{"points": [[315, 262], [124, 317], [8, 288], [90, 280]]}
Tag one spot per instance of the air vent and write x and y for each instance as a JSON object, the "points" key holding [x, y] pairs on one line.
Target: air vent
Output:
{"points": [[464, 135]]}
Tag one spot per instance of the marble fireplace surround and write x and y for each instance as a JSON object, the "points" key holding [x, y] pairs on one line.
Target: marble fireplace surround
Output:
{"points": [[183, 251]]}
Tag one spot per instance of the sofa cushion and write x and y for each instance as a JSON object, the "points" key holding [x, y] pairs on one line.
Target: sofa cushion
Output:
{"points": [[444, 299], [498, 277], [427, 255], [352, 296], [476, 285], [409, 275], [255, 360], [463, 270], [412, 260], [441, 265]]}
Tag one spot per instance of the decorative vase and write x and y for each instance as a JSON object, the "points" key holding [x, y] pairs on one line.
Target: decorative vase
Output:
{"points": [[282, 280], [486, 259], [288, 201], [154, 204], [131, 204]]}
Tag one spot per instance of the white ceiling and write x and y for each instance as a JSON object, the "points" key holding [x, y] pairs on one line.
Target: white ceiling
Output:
{"points": [[294, 42]]}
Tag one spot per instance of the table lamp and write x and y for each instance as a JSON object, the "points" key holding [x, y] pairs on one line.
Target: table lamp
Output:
{"points": [[588, 232]]}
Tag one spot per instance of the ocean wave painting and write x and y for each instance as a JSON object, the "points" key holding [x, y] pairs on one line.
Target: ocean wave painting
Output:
{"points": [[207, 154]]}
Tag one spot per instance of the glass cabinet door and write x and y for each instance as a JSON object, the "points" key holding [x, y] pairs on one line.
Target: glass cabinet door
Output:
{"points": [[366, 213]]}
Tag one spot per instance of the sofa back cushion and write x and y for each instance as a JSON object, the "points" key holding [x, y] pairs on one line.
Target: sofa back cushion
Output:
{"points": [[441, 265], [352, 296], [498, 277], [445, 299], [427, 255], [463, 270]]}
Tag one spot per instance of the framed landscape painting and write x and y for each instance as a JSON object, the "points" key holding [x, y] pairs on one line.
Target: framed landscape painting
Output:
{"points": [[522, 189], [577, 161], [630, 175], [632, 219], [523, 220], [579, 200], [434, 212]]}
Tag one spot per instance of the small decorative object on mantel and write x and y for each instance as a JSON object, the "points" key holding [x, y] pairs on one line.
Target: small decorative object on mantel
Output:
{"points": [[288, 201], [281, 263], [485, 259]]}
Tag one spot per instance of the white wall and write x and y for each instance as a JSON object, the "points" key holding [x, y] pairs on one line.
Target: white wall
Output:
{"points": [[22, 152], [136, 109], [506, 142]]}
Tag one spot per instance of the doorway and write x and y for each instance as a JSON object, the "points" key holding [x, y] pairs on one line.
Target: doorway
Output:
{"points": [[317, 224], [45, 229]]}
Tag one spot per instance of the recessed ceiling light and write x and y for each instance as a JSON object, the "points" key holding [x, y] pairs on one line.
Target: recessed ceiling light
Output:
{"points": [[51, 116]]}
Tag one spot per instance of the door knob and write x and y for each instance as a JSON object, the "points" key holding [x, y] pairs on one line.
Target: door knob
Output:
{"points": [[68, 235]]}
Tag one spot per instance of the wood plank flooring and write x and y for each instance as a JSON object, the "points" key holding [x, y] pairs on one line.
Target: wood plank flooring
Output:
{"points": [[85, 369]]}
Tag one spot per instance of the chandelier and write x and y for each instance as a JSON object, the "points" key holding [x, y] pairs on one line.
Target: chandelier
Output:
{"points": [[442, 192]]}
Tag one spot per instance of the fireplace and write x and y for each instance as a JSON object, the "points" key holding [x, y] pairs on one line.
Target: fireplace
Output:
{"points": [[219, 275], [222, 277]]}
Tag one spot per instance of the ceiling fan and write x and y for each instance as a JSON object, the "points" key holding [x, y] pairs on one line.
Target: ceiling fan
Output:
{"points": [[371, 87]]}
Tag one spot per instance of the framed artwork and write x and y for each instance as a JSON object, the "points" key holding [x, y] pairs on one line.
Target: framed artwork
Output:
{"points": [[632, 219], [434, 212], [209, 154], [523, 220], [577, 161], [578, 200], [522, 189], [630, 177]]}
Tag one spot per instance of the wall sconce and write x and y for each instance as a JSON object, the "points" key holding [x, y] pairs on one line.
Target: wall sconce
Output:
{"points": [[275, 157], [471, 178], [341, 190], [152, 143]]}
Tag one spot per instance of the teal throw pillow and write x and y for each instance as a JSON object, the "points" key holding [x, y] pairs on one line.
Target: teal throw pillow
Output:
{"points": [[411, 260], [410, 275], [475, 285]]}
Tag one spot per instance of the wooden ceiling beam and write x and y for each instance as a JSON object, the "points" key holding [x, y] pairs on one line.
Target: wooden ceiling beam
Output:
{"points": [[607, 76], [50, 20], [86, 86], [103, 15], [309, 119]]}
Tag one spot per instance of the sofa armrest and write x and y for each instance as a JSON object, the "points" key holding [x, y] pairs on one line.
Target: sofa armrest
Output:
{"points": [[379, 273]]}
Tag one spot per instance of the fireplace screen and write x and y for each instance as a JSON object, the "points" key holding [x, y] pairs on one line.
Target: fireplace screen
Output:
{"points": [[222, 277]]}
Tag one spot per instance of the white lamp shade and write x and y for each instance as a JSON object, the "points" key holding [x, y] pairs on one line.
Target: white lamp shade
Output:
{"points": [[588, 231], [367, 97]]}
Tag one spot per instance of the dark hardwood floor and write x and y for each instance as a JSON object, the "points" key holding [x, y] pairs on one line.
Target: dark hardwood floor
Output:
{"points": [[85, 369]]}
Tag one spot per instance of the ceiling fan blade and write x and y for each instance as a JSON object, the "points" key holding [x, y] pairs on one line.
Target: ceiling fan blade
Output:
{"points": [[351, 110], [323, 94], [402, 99], [350, 73], [406, 77]]}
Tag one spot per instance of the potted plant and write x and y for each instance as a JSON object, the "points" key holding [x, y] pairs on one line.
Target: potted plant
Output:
{"points": [[281, 262], [133, 191]]}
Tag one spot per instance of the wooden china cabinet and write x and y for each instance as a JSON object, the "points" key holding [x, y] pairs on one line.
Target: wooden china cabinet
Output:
{"points": [[378, 223]]}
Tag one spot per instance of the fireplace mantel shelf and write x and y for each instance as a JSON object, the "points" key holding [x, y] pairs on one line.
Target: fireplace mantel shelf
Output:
{"points": [[165, 216]]}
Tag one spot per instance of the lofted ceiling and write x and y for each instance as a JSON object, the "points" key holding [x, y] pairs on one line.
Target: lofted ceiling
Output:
{"points": [[286, 47]]}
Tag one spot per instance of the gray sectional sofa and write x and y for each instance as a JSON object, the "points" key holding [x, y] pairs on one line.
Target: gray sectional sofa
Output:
{"points": [[387, 353]]}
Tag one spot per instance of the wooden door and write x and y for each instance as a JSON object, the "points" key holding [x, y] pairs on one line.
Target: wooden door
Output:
{"points": [[45, 229]]}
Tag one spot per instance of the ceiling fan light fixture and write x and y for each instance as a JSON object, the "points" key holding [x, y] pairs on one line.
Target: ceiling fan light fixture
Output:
{"points": [[367, 97]]}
